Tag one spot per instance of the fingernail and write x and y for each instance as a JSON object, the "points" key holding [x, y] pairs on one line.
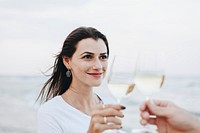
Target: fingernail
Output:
{"points": [[123, 107]]}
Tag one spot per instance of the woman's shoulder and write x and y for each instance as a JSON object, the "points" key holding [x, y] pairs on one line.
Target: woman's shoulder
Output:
{"points": [[51, 104]]}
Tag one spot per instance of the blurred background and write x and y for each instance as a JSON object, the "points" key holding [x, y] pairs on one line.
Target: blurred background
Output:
{"points": [[32, 33]]}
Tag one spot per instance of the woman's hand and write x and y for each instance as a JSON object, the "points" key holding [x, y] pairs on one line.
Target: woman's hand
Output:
{"points": [[104, 117]]}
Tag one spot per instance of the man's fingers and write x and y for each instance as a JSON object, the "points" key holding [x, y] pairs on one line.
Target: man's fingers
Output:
{"points": [[143, 106], [145, 115], [147, 121]]}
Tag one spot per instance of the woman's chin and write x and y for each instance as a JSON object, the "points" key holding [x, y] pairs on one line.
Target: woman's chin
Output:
{"points": [[97, 84]]}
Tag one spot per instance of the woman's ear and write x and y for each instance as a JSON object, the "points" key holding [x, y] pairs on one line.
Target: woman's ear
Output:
{"points": [[66, 61]]}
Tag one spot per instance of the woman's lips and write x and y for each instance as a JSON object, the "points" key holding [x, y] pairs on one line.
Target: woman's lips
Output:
{"points": [[95, 74]]}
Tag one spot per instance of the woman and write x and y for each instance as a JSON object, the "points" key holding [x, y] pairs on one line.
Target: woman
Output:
{"points": [[70, 104]]}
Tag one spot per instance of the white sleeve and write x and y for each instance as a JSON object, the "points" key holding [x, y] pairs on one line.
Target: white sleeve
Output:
{"points": [[47, 123]]}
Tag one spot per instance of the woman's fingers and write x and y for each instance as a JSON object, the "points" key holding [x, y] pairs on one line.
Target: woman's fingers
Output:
{"points": [[98, 128], [111, 126], [114, 106], [111, 120], [106, 116], [107, 120], [108, 110]]}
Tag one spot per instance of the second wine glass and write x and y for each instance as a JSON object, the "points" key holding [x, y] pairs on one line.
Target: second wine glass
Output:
{"points": [[149, 77]]}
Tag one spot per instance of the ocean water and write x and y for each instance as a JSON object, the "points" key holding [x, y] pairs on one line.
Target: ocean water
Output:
{"points": [[18, 94]]}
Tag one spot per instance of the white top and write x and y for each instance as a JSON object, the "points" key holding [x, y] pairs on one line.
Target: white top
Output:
{"points": [[57, 116]]}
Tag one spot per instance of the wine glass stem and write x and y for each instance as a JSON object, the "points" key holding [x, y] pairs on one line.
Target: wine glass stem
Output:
{"points": [[148, 127]]}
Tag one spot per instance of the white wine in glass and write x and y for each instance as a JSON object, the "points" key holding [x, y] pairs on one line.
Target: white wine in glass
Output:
{"points": [[120, 90], [149, 76], [149, 83], [121, 77]]}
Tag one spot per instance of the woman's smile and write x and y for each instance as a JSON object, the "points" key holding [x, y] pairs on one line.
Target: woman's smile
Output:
{"points": [[96, 74]]}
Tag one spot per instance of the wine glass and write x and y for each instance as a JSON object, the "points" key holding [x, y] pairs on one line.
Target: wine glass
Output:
{"points": [[121, 78], [149, 76]]}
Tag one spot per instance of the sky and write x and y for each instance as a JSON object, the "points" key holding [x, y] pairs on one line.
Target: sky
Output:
{"points": [[32, 31]]}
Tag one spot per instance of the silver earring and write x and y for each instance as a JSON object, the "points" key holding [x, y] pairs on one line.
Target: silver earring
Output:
{"points": [[68, 73]]}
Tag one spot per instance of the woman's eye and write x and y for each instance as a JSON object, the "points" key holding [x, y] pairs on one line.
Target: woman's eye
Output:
{"points": [[104, 57], [87, 57]]}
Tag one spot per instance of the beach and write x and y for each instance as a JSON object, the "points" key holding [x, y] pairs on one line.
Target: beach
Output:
{"points": [[17, 102], [19, 111]]}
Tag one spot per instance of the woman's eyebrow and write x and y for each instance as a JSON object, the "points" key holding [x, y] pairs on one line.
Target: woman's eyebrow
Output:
{"points": [[90, 53], [103, 53], [87, 53]]}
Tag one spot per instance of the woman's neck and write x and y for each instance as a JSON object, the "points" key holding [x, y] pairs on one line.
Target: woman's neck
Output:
{"points": [[82, 99]]}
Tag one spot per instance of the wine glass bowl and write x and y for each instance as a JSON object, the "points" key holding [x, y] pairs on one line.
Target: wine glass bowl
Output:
{"points": [[149, 77], [149, 83], [121, 78]]}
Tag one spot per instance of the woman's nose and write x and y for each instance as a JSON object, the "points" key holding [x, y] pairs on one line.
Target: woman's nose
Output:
{"points": [[97, 64]]}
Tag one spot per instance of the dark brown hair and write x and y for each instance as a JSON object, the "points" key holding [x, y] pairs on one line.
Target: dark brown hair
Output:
{"points": [[58, 83]]}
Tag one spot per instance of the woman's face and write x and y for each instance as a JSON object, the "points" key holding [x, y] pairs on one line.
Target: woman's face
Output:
{"points": [[89, 62]]}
